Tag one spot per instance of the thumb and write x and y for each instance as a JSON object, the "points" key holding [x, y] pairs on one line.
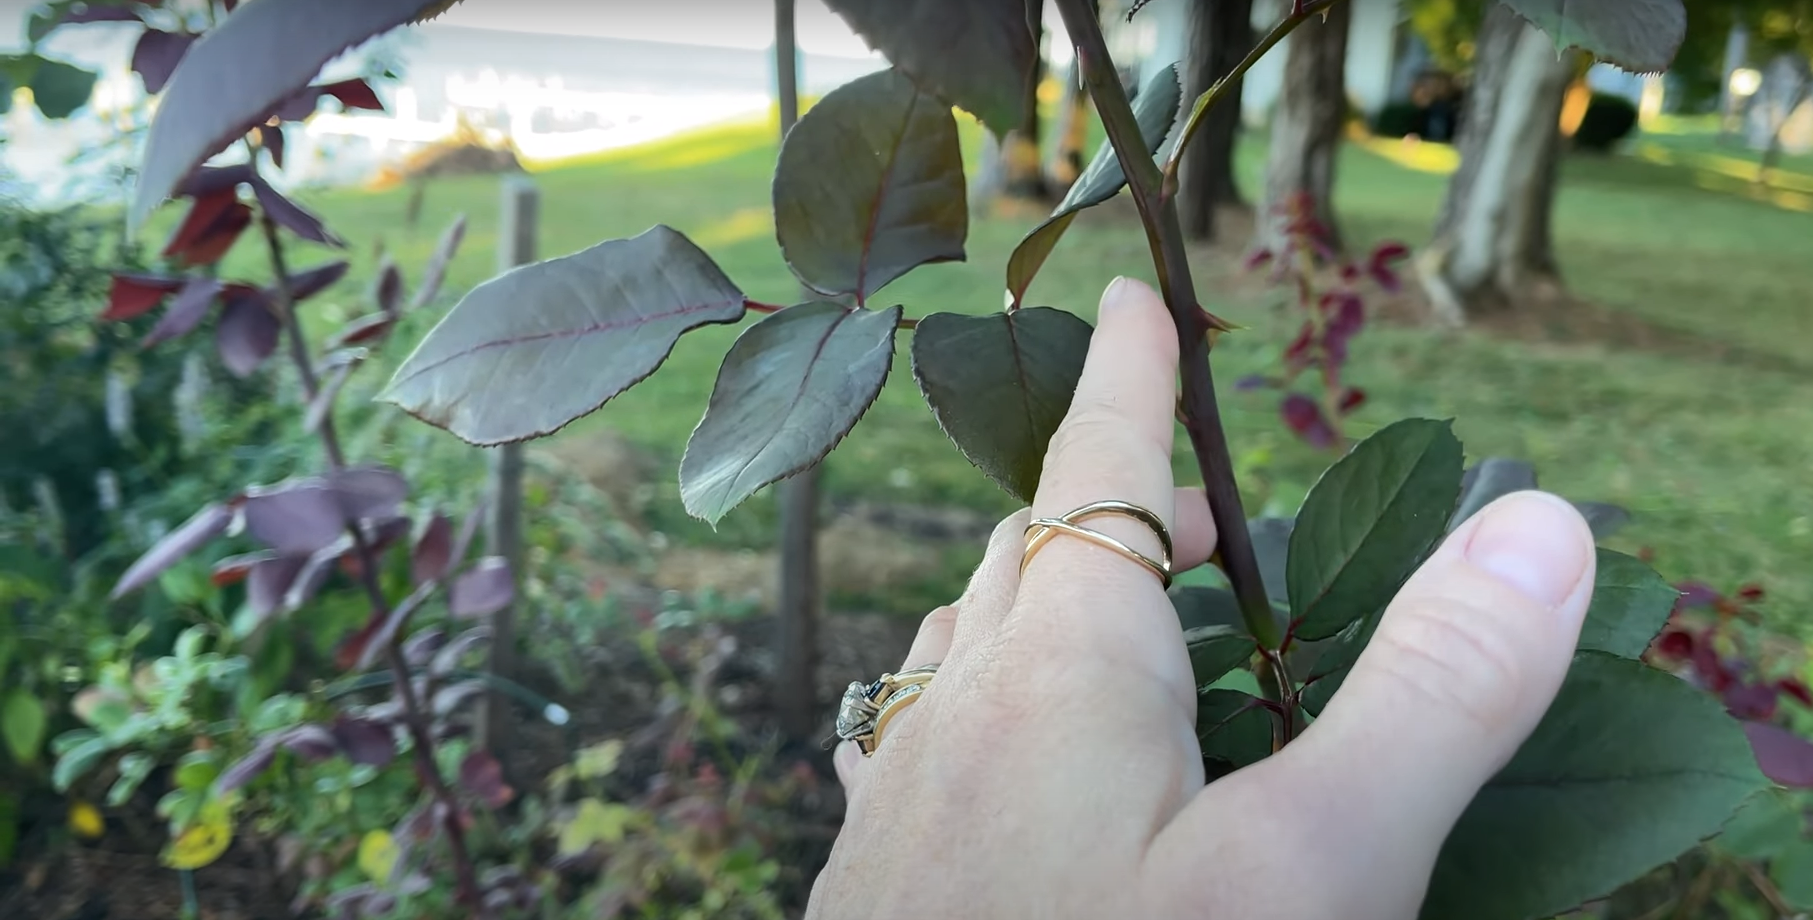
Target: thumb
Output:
{"points": [[1464, 663]]}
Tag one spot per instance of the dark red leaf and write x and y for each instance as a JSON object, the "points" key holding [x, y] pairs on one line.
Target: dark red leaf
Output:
{"points": [[296, 517], [233, 569], [1305, 418], [364, 741], [1257, 259], [1750, 701], [290, 215], [1345, 316], [1796, 689], [308, 283], [156, 55], [1351, 398], [212, 180], [213, 225], [1297, 354], [186, 311], [269, 582], [1675, 644], [433, 552], [1381, 265], [247, 768], [210, 522], [270, 137], [387, 292], [353, 94], [482, 590], [420, 648], [132, 296], [1714, 673], [483, 776], [247, 334], [1695, 594], [1783, 756], [436, 272], [364, 329], [1750, 593], [314, 573], [312, 743], [369, 491], [468, 530], [1350, 272], [366, 647]]}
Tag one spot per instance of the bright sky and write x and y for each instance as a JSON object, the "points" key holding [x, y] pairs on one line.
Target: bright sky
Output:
{"points": [[721, 23]]}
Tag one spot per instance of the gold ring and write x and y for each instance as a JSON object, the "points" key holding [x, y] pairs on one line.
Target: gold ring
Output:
{"points": [[1041, 530], [868, 707]]}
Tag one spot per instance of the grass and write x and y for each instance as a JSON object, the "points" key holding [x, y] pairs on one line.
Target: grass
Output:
{"points": [[1708, 446]]}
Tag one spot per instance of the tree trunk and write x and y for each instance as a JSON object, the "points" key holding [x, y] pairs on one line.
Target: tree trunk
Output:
{"points": [[1025, 173], [796, 632], [1221, 34], [1492, 240], [1772, 154], [1307, 124]]}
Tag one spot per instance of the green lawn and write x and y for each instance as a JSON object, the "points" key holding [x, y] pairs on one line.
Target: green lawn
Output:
{"points": [[1709, 450]]}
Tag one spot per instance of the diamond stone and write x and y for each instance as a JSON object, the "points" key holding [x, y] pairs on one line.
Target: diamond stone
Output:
{"points": [[855, 715]]}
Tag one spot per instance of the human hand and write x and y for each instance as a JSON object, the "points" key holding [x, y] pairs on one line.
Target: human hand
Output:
{"points": [[1051, 768]]}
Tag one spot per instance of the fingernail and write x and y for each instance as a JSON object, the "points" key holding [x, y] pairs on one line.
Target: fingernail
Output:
{"points": [[1116, 290], [1533, 542]]}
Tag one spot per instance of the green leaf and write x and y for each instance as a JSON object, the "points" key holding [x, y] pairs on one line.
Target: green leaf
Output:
{"points": [[1630, 767], [594, 822], [1233, 729], [1792, 873], [978, 54], [1271, 547], [134, 767], [1766, 824], [1199, 606], [1630, 605], [70, 740], [1488, 481], [60, 89], [537, 347], [1368, 522], [1156, 110], [1640, 36], [869, 186], [253, 60], [791, 387], [7, 85], [77, 761], [197, 770], [1216, 650], [999, 385], [22, 722]]}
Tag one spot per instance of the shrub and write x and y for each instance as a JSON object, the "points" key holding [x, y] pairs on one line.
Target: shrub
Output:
{"points": [[1608, 120]]}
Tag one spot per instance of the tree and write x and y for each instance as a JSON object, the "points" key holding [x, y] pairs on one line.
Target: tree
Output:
{"points": [[1307, 123], [1221, 34], [1491, 245]]}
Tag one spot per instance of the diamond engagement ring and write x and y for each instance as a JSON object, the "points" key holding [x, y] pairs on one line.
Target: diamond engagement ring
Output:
{"points": [[868, 707]]}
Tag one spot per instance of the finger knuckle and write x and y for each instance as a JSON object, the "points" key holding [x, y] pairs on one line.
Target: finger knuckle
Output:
{"points": [[1455, 655]]}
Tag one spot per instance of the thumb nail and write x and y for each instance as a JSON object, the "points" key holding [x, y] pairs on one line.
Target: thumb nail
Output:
{"points": [[1533, 542], [1116, 292]]}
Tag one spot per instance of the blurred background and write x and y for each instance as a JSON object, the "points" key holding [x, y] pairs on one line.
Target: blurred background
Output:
{"points": [[1639, 334]]}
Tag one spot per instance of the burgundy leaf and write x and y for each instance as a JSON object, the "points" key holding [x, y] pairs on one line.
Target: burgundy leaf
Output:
{"points": [[1714, 672], [1783, 756], [312, 743], [268, 583], [481, 590], [186, 311], [296, 517], [270, 137], [1257, 259], [353, 94], [977, 54], [132, 296], [290, 215], [436, 272], [369, 644], [247, 334], [387, 293], [210, 522], [369, 491], [212, 180], [448, 659], [213, 224], [1381, 265], [1342, 324], [1675, 643], [1750, 593], [306, 284], [468, 530], [364, 329], [1350, 272], [420, 648], [322, 405], [1750, 701], [1351, 398], [251, 61], [364, 741], [314, 573], [483, 776], [418, 826], [233, 569], [247, 768], [156, 55], [433, 552], [1305, 418], [382, 532], [1695, 594], [1796, 689], [1297, 354], [298, 106]]}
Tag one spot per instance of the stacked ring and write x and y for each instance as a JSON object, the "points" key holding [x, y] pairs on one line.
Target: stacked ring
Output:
{"points": [[867, 708]]}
